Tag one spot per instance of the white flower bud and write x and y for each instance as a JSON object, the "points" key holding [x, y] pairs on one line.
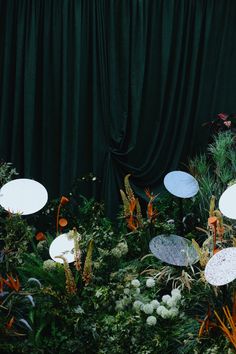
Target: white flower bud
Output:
{"points": [[150, 283], [173, 312], [126, 291], [160, 309], [137, 305], [166, 298], [155, 304], [151, 320], [148, 309], [171, 302], [165, 313], [176, 293], [135, 283]]}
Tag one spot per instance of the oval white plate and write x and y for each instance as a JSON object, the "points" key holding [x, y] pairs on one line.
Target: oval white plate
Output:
{"points": [[181, 184], [62, 246], [23, 196], [227, 202]]}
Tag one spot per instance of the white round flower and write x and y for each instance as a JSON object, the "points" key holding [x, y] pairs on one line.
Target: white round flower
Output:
{"points": [[173, 312], [49, 265], [137, 305], [166, 298], [148, 309], [176, 297], [151, 320], [155, 304], [171, 302], [176, 293], [160, 309], [126, 291], [165, 313], [150, 283], [137, 291], [135, 283]]}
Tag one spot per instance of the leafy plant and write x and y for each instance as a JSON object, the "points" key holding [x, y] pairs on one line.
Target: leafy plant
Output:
{"points": [[215, 170], [7, 172]]}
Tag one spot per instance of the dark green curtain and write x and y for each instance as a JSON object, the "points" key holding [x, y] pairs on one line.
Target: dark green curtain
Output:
{"points": [[111, 87]]}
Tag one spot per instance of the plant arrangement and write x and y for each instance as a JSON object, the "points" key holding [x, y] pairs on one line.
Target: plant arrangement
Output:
{"points": [[116, 296], [214, 170]]}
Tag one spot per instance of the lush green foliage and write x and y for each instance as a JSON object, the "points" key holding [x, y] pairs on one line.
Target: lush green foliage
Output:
{"points": [[134, 303], [214, 170]]}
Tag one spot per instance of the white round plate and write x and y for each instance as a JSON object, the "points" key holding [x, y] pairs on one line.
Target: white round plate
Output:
{"points": [[62, 246], [221, 268], [181, 184], [227, 202], [23, 196]]}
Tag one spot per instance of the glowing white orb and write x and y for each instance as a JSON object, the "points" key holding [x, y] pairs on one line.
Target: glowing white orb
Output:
{"points": [[221, 268], [181, 184], [23, 196], [62, 246], [227, 202]]}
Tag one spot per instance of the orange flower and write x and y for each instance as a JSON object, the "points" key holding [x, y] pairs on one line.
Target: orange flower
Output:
{"points": [[12, 283], [132, 225], [63, 222], [148, 193], [64, 200], [212, 220], [40, 236], [151, 214], [10, 322]]}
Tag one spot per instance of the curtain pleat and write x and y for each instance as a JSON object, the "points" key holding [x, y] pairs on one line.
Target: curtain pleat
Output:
{"points": [[111, 87]]}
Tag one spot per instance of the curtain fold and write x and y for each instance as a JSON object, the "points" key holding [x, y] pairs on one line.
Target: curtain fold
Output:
{"points": [[111, 87]]}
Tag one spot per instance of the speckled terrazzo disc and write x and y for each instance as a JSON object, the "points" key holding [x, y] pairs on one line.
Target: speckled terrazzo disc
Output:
{"points": [[173, 249], [221, 268], [181, 184]]}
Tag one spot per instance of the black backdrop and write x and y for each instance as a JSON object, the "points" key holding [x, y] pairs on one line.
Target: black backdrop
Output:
{"points": [[111, 87]]}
